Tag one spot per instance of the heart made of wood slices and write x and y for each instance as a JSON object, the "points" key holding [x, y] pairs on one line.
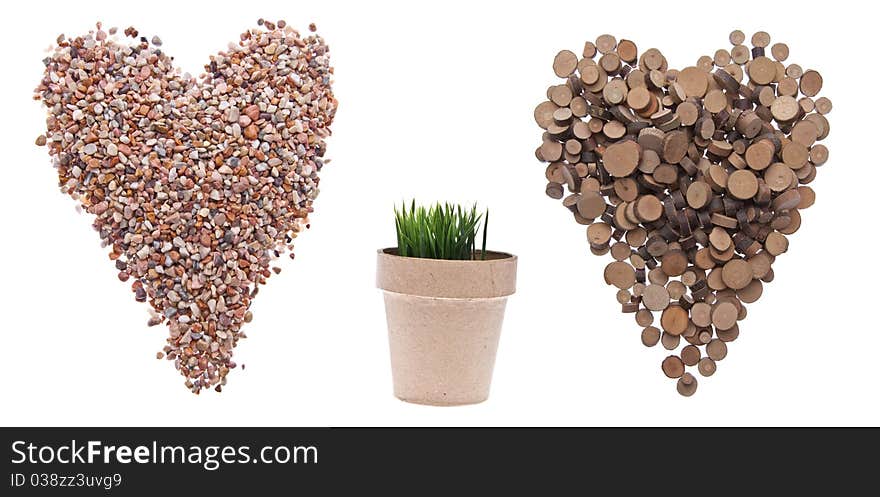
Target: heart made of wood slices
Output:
{"points": [[195, 184], [690, 178]]}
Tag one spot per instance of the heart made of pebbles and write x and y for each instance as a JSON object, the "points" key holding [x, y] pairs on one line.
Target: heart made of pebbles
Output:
{"points": [[195, 184], [690, 178]]}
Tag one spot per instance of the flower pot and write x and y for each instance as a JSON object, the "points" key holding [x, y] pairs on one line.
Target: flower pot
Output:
{"points": [[444, 321]]}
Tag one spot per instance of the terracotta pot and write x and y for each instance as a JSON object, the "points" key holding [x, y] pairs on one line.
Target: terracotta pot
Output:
{"points": [[444, 322]]}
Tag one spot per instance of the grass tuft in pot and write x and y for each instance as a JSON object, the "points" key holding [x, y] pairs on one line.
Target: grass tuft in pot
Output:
{"points": [[440, 231], [444, 303]]}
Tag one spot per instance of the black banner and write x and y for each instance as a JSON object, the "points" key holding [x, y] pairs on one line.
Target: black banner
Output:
{"points": [[327, 461]]}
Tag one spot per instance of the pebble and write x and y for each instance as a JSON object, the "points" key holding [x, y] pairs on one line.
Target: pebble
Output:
{"points": [[112, 150], [250, 132]]}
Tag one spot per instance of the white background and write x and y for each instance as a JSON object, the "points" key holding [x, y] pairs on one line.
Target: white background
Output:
{"points": [[436, 102]]}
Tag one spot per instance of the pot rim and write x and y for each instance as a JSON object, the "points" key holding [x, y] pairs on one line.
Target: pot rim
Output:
{"points": [[391, 251], [444, 278]]}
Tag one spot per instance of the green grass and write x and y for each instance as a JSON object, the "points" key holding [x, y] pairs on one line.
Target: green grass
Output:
{"points": [[440, 231]]}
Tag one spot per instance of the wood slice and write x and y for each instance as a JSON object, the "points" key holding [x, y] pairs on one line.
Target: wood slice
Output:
{"points": [[589, 50], [778, 177], [760, 39], [724, 315], [736, 273], [811, 83], [808, 197], [675, 146], [706, 366], [686, 385], [599, 233], [779, 51], [638, 98], [591, 205], [701, 314], [674, 262], [644, 317], [620, 274], [674, 320], [565, 63], [655, 297], [650, 336], [716, 350], [606, 43], [795, 155], [759, 155], [627, 189], [694, 80], [762, 70], [699, 194], [805, 132], [615, 91], [673, 366], [784, 108], [720, 239], [742, 184], [752, 292], [544, 113], [823, 105], [737, 37], [690, 355], [622, 158], [670, 341], [688, 113], [715, 101], [627, 51], [776, 243], [740, 54], [648, 208]]}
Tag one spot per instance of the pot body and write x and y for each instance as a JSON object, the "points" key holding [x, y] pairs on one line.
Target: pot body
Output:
{"points": [[444, 324]]}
